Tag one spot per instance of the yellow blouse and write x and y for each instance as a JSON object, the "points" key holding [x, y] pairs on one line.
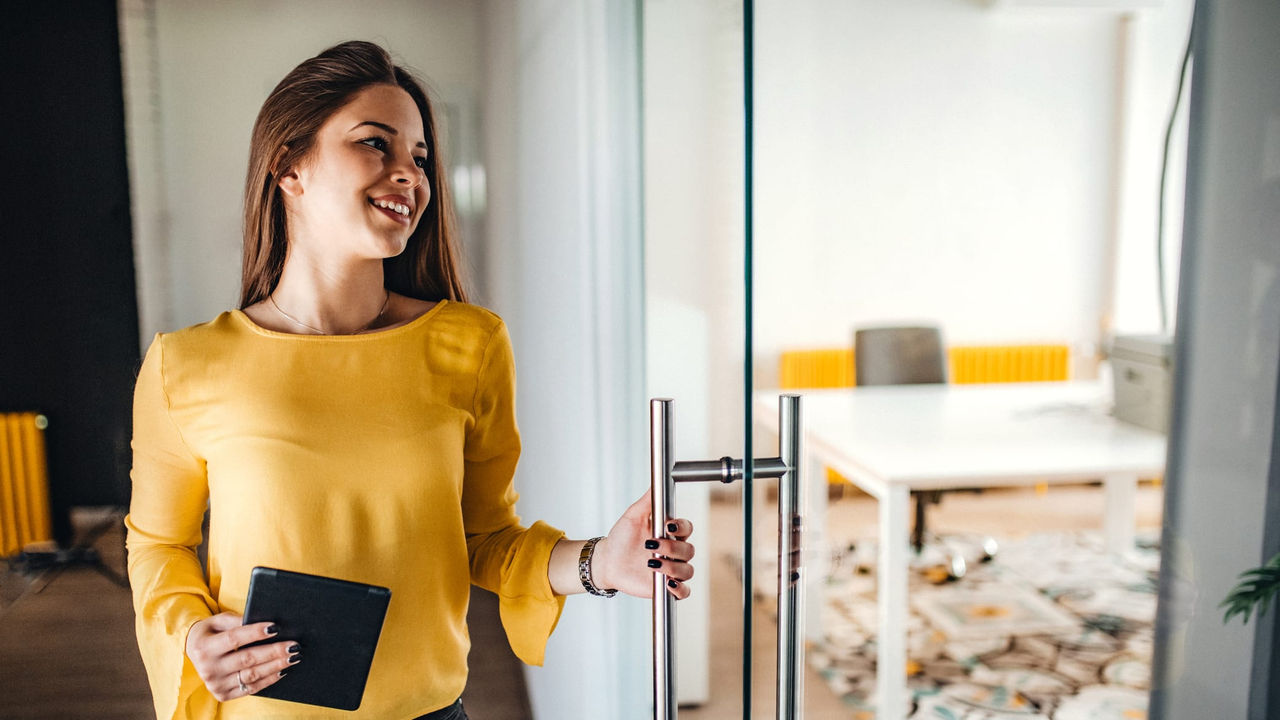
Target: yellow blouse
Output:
{"points": [[384, 458]]}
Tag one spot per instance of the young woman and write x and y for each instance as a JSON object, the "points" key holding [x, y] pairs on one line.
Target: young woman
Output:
{"points": [[353, 419]]}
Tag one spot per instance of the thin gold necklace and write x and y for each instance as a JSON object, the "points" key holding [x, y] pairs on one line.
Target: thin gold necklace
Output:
{"points": [[272, 298]]}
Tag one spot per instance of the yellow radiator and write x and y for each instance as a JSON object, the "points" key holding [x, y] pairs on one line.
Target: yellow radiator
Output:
{"points": [[831, 368], [1009, 363], [816, 369], [24, 482]]}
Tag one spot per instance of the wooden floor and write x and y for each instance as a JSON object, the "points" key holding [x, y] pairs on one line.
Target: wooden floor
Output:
{"points": [[66, 641], [67, 648]]}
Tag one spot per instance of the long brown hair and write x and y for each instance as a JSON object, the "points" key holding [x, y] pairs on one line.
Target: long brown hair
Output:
{"points": [[285, 132]]}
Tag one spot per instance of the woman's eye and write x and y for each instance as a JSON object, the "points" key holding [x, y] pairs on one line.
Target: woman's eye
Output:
{"points": [[376, 143], [421, 162]]}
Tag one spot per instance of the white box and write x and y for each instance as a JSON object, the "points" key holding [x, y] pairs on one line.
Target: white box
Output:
{"points": [[1142, 372]]}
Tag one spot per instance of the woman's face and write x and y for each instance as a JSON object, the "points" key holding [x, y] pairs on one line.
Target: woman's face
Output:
{"points": [[363, 187]]}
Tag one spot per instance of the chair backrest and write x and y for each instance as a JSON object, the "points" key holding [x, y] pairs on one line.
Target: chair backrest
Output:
{"points": [[899, 356]]}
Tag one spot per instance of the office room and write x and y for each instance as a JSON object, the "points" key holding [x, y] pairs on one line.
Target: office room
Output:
{"points": [[1056, 235]]}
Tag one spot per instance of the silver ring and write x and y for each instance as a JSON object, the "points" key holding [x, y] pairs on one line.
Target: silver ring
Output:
{"points": [[243, 688]]}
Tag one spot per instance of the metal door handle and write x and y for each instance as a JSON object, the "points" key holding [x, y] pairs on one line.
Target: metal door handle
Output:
{"points": [[663, 475], [662, 486], [790, 692]]}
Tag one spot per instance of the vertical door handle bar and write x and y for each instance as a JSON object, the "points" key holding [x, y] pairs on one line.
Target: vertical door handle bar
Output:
{"points": [[790, 579], [663, 475], [662, 492]]}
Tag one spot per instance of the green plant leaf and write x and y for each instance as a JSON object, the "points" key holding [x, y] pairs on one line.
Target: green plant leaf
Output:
{"points": [[1258, 587]]}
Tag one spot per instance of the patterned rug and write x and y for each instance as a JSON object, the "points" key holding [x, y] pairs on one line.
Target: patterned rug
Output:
{"points": [[1054, 628]]}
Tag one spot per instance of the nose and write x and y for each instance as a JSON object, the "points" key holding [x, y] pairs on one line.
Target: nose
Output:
{"points": [[406, 173]]}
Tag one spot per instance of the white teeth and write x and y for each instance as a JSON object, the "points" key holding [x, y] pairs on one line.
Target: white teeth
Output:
{"points": [[401, 209]]}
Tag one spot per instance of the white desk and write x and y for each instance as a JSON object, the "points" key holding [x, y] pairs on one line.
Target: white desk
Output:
{"points": [[892, 440]]}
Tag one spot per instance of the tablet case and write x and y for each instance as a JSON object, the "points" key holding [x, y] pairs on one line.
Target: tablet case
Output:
{"points": [[337, 623]]}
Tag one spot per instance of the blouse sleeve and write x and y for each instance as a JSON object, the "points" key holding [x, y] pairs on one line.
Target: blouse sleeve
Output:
{"points": [[170, 594], [505, 557]]}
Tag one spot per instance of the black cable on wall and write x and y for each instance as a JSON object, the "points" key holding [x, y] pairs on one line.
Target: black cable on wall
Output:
{"points": [[1161, 282]]}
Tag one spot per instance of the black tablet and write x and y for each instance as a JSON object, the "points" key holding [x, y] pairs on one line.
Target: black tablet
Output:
{"points": [[337, 623]]}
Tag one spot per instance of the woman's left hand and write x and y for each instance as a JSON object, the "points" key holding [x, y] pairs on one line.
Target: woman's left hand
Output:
{"points": [[629, 556]]}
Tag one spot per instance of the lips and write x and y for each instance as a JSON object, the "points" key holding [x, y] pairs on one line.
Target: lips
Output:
{"points": [[393, 207]]}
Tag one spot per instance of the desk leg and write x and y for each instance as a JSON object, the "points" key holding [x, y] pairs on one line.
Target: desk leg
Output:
{"points": [[891, 575], [1121, 499]]}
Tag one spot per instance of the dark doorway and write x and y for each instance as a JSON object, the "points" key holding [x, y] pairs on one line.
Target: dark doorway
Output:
{"points": [[68, 308]]}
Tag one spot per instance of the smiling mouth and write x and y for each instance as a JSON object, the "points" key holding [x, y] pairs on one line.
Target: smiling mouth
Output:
{"points": [[397, 208]]}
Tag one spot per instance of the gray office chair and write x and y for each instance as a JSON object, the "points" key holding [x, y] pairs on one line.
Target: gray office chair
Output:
{"points": [[898, 356], [911, 356]]}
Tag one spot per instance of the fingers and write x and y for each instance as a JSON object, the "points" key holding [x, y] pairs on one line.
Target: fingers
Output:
{"points": [[674, 549], [255, 667], [678, 589], [216, 636], [249, 658], [263, 674], [679, 528], [673, 569], [673, 555], [216, 647], [238, 637]]}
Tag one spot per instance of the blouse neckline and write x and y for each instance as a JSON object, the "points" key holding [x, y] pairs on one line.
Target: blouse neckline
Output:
{"points": [[399, 329]]}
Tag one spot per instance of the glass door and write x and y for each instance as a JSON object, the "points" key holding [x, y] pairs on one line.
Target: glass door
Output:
{"points": [[694, 255], [698, 63], [1009, 176]]}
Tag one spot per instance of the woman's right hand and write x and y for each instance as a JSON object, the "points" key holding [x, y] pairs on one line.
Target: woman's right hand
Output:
{"points": [[215, 646]]}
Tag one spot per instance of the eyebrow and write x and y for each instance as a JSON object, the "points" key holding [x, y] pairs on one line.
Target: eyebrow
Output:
{"points": [[385, 127]]}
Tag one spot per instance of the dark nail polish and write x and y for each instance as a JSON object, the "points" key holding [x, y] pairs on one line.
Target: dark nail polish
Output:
{"points": [[650, 544], [672, 583], [294, 658], [655, 563], [294, 648], [671, 527], [272, 629], [285, 672]]}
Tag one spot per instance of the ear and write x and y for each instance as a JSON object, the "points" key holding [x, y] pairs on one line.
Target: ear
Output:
{"points": [[289, 183], [287, 180]]}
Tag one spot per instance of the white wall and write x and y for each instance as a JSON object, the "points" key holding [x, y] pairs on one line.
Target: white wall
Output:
{"points": [[196, 74], [1155, 42], [939, 160], [562, 132]]}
